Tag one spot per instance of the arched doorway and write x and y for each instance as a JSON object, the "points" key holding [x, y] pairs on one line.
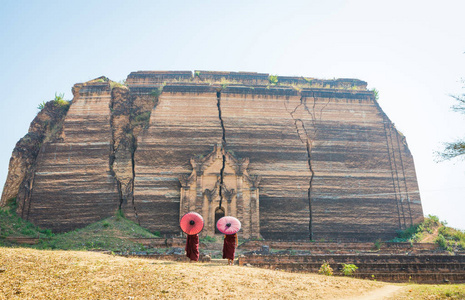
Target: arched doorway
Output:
{"points": [[219, 213]]}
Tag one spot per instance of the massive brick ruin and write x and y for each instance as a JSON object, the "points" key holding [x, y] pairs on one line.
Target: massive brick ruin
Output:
{"points": [[292, 157]]}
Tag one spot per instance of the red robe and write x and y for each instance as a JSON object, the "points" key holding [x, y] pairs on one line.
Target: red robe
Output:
{"points": [[192, 247], [229, 246]]}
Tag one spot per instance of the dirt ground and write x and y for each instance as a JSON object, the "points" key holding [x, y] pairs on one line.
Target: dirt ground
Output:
{"points": [[35, 274]]}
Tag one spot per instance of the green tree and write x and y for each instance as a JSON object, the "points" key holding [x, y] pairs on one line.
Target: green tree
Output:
{"points": [[456, 148]]}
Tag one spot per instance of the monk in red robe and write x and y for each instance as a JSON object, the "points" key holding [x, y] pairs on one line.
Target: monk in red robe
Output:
{"points": [[192, 247], [229, 247]]}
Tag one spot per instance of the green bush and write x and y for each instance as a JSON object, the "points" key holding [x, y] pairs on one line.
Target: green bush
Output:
{"points": [[273, 79], [325, 269], [415, 233], [450, 239], [349, 269], [442, 242], [114, 84]]}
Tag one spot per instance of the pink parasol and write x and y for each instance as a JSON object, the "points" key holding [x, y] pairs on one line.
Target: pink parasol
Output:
{"points": [[191, 223], [228, 225]]}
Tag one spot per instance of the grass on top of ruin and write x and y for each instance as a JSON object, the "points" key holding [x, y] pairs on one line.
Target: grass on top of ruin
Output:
{"points": [[432, 230], [112, 234]]}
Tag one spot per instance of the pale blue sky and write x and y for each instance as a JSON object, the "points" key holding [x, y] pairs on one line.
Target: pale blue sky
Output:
{"points": [[411, 51]]}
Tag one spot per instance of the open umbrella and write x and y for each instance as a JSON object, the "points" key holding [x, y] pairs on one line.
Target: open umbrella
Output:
{"points": [[228, 225], [191, 223]]}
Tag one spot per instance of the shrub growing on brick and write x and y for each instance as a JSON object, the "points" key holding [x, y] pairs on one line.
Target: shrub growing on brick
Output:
{"points": [[325, 269], [349, 269]]}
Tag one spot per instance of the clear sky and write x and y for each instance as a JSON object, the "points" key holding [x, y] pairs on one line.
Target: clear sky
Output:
{"points": [[411, 51]]}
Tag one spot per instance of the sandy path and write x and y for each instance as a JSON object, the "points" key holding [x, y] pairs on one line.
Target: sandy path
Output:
{"points": [[386, 292]]}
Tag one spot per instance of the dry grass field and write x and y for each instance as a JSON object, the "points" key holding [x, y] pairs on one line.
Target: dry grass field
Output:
{"points": [[45, 274]]}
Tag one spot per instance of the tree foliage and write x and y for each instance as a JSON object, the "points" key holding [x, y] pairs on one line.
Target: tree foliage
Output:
{"points": [[456, 148]]}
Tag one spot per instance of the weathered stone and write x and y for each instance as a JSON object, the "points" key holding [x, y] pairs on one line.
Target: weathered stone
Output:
{"points": [[425, 268], [45, 127], [330, 163], [73, 185]]}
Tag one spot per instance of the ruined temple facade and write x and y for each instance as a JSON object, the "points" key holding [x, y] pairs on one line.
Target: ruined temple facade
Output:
{"points": [[292, 158], [203, 191]]}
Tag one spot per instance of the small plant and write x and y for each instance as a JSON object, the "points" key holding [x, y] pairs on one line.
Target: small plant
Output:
{"points": [[60, 101], [377, 244], [349, 269], [59, 97], [157, 92], [325, 269], [308, 80], [375, 93], [106, 224], [41, 105], [114, 84], [119, 215], [273, 79]]}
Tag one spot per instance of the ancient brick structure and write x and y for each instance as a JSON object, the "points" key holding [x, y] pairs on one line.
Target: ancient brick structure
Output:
{"points": [[201, 191], [292, 157], [423, 268]]}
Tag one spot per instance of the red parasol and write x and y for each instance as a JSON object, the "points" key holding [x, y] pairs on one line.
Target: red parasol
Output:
{"points": [[228, 225], [191, 223]]}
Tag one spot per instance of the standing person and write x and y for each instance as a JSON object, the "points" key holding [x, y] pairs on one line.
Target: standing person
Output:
{"points": [[229, 247], [192, 247]]}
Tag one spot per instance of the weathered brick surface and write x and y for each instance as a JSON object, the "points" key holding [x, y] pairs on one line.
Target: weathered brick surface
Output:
{"points": [[330, 162], [341, 247], [182, 125], [429, 268], [73, 185], [258, 126]]}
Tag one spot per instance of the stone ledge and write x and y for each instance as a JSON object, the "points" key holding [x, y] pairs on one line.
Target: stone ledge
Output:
{"points": [[393, 268], [189, 88], [242, 77], [147, 77], [144, 78]]}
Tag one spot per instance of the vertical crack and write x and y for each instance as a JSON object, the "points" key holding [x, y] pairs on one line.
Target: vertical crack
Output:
{"points": [[223, 146], [133, 151], [309, 192], [307, 137], [307, 141], [29, 186], [123, 145]]}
